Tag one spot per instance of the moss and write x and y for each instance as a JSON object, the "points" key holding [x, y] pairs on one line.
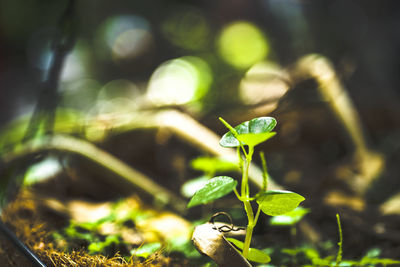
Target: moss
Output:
{"points": [[33, 225]]}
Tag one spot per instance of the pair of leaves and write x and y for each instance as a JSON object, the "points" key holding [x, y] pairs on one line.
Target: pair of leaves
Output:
{"points": [[251, 132], [273, 202]]}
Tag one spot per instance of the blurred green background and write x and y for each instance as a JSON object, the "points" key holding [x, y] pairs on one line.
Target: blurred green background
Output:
{"points": [[130, 54]]}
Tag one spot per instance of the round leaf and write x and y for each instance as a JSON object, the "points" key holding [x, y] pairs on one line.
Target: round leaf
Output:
{"points": [[262, 125], [252, 139], [189, 188], [215, 188], [250, 132], [278, 202], [229, 140], [255, 255]]}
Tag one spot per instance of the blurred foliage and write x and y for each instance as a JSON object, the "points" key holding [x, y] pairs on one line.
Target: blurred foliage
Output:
{"points": [[127, 228], [289, 218], [187, 53], [209, 166]]}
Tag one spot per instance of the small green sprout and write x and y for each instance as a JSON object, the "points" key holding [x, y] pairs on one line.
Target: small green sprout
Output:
{"points": [[244, 138], [370, 259]]}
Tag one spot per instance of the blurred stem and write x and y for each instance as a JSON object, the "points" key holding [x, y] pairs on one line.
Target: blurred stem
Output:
{"points": [[45, 110], [370, 163], [265, 172], [340, 243], [129, 178]]}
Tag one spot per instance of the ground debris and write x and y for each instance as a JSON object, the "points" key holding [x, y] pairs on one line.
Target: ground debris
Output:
{"points": [[33, 224]]}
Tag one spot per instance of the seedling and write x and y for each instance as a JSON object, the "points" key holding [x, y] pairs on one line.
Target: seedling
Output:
{"points": [[370, 259], [244, 138]]}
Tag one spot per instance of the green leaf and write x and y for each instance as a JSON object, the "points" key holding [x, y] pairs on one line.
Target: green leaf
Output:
{"points": [[255, 255], [289, 218], [252, 139], [278, 202], [215, 188], [189, 188], [251, 132], [262, 125], [213, 164]]}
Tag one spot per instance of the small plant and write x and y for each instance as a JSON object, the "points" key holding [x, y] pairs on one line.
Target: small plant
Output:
{"points": [[370, 259], [244, 138]]}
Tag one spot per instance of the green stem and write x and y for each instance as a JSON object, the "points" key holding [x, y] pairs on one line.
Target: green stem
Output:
{"points": [[235, 134], [265, 171], [257, 215], [237, 194], [250, 227], [340, 243], [247, 205], [245, 177]]}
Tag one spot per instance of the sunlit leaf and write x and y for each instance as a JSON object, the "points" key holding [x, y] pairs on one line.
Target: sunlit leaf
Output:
{"points": [[190, 187], [262, 125], [250, 132], [213, 164], [215, 188], [255, 255], [253, 139], [289, 218], [278, 202]]}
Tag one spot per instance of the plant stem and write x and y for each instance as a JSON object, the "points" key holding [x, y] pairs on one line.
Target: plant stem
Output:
{"points": [[125, 177], [340, 243], [245, 177], [250, 227], [247, 205], [265, 171]]}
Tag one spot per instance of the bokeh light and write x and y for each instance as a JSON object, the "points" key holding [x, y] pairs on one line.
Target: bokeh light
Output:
{"points": [[80, 94], [120, 88], [242, 44], [187, 28], [76, 64], [114, 105], [115, 26], [131, 43], [263, 83], [126, 39], [179, 81]]}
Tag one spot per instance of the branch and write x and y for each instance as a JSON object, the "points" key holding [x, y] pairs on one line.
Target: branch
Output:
{"points": [[126, 174]]}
